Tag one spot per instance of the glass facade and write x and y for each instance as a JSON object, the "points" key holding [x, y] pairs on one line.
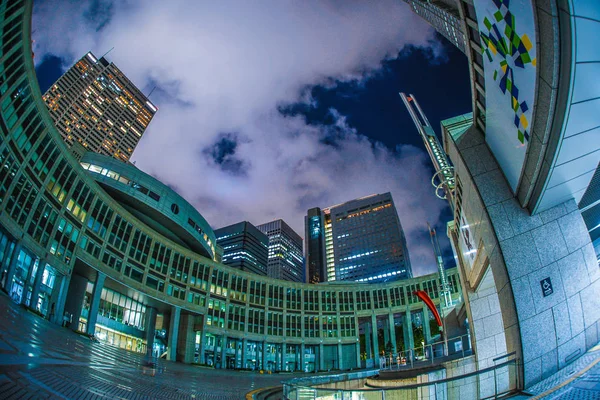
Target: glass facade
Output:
{"points": [[95, 104], [363, 241], [244, 247], [286, 260]]}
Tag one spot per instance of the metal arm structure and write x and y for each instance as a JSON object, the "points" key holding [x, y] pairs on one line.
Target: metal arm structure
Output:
{"points": [[444, 171], [445, 292]]}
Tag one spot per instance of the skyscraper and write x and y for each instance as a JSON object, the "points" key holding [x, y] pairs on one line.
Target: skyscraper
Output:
{"points": [[444, 17], [285, 251], [244, 247], [360, 240], [94, 103]]}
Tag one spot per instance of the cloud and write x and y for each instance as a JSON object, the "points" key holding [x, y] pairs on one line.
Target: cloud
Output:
{"points": [[222, 72]]}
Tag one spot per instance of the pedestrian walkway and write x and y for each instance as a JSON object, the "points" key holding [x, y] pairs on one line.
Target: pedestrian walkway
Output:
{"points": [[578, 381], [40, 360]]}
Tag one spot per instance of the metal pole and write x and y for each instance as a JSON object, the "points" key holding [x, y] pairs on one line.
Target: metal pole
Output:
{"points": [[495, 385]]}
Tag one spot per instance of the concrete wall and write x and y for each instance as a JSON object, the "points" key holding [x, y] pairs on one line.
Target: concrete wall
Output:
{"points": [[547, 332]]}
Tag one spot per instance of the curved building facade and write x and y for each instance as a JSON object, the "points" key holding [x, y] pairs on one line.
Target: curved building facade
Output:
{"points": [[85, 243]]}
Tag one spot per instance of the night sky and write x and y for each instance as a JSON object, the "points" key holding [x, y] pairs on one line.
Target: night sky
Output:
{"points": [[295, 108]]}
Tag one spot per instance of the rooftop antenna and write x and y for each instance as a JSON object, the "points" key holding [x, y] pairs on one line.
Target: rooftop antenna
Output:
{"points": [[152, 91], [444, 171], [111, 49], [445, 292]]}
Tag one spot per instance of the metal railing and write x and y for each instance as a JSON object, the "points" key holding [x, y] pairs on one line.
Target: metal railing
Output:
{"points": [[429, 354], [487, 383]]}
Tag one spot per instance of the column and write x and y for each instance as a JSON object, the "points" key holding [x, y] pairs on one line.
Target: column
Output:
{"points": [[37, 284], [201, 353], [74, 302], [426, 327], [321, 357], [12, 267], [283, 356], [173, 332], [340, 363], [150, 325], [186, 343], [223, 352], [368, 340], [95, 303], [302, 350], [409, 342], [263, 357], [358, 360], [31, 270], [375, 341], [62, 286], [386, 335], [244, 350], [392, 326]]}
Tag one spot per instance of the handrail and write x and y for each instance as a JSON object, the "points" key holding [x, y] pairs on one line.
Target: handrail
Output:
{"points": [[403, 358], [513, 361]]}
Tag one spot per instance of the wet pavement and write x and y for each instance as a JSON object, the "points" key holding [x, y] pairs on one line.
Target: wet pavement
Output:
{"points": [[42, 360]]}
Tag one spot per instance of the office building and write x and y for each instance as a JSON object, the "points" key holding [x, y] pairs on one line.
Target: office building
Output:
{"points": [[444, 17], [360, 240], [285, 251], [244, 247], [94, 103]]}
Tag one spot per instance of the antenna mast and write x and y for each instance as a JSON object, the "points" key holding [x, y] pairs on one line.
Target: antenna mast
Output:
{"points": [[443, 180]]}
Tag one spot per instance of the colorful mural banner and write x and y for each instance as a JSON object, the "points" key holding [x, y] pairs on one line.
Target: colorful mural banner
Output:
{"points": [[507, 33]]}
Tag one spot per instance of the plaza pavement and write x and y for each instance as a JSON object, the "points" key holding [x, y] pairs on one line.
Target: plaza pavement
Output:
{"points": [[42, 360]]}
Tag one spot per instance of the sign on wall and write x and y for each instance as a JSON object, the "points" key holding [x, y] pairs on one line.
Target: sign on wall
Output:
{"points": [[507, 33], [466, 243]]}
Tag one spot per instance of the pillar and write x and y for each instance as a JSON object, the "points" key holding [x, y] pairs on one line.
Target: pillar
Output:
{"points": [[321, 358], [302, 350], [426, 327], [201, 352], [95, 303], [62, 287], [386, 335], [375, 341], [358, 360], [283, 357], [186, 343], [12, 267], [173, 332], [368, 340], [244, 350], [150, 325], [74, 302], [263, 356], [392, 326], [409, 342], [340, 363], [32, 270], [223, 352], [37, 284]]}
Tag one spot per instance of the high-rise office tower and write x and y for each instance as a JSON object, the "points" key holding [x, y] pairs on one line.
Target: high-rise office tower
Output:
{"points": [[94, 103], [244, 247], [444, 17], [285, 251], [360, 240]]}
